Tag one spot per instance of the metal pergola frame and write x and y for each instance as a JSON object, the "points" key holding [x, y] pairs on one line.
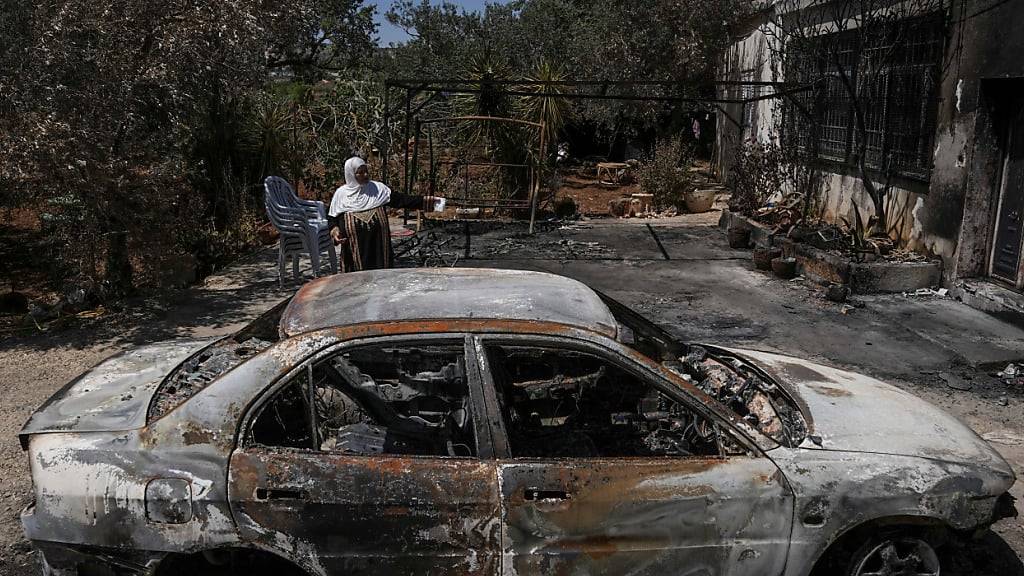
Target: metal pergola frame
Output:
{"points": [[531, 202], [585, 90]]}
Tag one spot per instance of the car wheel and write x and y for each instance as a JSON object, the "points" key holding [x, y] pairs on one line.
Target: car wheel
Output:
{"points": [[895, 555]]}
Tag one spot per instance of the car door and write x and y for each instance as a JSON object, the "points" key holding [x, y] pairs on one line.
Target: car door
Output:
{"points": [[372, 458], [605, 469]]}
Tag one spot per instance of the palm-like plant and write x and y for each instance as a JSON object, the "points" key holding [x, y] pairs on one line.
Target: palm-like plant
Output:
{"points": [[547, 107]]}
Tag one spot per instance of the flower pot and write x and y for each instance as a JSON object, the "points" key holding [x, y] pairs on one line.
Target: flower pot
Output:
{"points": [[763, 257], [739, 237], [784, 268], [698, 201]]}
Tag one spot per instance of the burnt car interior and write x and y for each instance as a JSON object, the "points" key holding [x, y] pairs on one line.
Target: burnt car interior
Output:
{"points": [[734, 382], [563, 403], [198, 371], [411, 400]]}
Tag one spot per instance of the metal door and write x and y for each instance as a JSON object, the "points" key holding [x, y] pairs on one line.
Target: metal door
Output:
{"points": [[706, 516], [369, 515], [599, 515], [1009, 232], [363, 511]]}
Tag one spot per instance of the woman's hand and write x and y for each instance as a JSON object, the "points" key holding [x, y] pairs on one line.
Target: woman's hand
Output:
{"points": [[436, 203], [336, 235]]}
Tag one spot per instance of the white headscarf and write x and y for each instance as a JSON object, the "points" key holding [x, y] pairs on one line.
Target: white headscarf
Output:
{"points": [[352, 197]]}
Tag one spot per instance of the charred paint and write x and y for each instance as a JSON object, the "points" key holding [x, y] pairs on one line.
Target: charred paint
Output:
{"points": [[830, 391], [402, 515], [396, 295], [639, 516]]}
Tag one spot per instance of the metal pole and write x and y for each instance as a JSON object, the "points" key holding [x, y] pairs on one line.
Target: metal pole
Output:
{"points": [[386, 141], [414, 170], [405, 145], [433, 170], [536, 181]]}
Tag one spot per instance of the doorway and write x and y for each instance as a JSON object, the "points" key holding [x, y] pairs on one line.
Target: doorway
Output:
{"points": [[1005, 258]]}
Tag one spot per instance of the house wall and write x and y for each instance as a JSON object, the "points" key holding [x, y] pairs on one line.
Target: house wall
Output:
{"points": [[748, 59], [985, 72], [952, 215]]}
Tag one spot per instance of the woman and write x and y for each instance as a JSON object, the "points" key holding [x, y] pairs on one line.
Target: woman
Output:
{"points": [[358, 217]]}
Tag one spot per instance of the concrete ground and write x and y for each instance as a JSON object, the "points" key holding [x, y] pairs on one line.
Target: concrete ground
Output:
{"points": [[693, 284]]}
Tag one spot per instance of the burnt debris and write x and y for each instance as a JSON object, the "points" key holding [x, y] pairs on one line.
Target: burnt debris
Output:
{"points": [[202, 368], [573, 404], [756, 400]]}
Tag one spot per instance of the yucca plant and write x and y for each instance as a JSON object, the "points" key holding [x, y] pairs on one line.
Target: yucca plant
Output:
{"points": [[502, 142], [546, 108]]}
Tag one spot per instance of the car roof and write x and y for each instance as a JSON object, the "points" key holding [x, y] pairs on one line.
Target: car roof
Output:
{"points": [[445, 294]]}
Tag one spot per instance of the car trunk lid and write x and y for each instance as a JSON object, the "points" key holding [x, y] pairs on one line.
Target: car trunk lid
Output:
{"points": [[113, 395]]}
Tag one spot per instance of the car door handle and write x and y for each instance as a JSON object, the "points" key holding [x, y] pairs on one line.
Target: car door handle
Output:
{"points": [[279, 494], [535, 494]]}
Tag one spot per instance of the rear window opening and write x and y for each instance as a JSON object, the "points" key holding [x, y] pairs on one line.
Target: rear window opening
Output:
{"points": [[210, 363]]}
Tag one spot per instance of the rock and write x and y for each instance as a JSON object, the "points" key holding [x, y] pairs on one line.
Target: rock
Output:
{"points": [[1011, 371], [41, 311], [837, 293], [955, 382]]}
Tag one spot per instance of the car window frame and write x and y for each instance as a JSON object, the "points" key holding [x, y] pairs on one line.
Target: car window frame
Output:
{"points": [[484, 450], [609, 351]]}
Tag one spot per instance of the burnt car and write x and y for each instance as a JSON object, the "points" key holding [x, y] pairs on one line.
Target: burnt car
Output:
{"points": [[479, 421]]}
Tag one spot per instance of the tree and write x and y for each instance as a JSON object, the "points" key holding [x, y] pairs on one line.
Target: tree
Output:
{"points": [[666, 40], [108, 99], [323, 38]]}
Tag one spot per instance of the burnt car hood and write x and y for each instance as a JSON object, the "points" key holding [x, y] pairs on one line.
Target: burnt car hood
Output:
{"points": [[856, 413], [113, 395]]}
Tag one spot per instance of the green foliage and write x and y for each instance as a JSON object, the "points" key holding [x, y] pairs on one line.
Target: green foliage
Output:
{"points": [[137, 111], [600, 39], [666, 173], [551, 111], [324, 37]]}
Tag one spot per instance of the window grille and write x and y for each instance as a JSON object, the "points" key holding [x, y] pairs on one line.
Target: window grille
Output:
{"points": [[894, 71]]}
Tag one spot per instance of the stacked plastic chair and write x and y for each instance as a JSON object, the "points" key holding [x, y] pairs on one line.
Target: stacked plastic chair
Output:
{"points": [[302, 225]]}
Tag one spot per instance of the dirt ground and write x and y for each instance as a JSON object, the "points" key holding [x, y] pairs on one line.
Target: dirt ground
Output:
{"points": [[693, 284]]}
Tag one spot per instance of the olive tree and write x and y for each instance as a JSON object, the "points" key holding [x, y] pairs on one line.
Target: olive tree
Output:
{"points": [[107, 100]]}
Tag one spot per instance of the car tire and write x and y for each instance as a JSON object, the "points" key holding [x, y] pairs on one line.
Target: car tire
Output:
{"points": [[896, 553]]}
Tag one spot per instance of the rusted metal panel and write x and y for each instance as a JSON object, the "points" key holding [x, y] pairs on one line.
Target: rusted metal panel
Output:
{"points": [[636, 516], [429, 293], [353, 514]]}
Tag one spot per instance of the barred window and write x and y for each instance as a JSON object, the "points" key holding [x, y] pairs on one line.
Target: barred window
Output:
{"points": [[894, 72]]}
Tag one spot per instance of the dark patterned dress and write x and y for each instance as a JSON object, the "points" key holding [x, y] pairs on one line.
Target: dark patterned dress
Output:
{"points": [[368, 235]]}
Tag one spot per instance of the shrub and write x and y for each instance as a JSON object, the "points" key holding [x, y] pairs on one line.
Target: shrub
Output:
{"points": [[665, 173], [760, 171]]}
